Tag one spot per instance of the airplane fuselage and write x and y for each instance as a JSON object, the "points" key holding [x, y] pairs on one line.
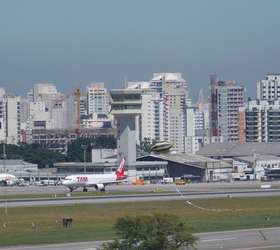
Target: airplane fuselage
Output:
{"points": [[89, 180], [8, 180]]}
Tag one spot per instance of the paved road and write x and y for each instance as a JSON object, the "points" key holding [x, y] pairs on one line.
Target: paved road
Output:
{"points": [[244, 185], [253, 239], [137, 197]]}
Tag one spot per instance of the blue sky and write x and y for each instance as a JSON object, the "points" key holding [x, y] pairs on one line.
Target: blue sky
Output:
{"points": [[72, 43]]}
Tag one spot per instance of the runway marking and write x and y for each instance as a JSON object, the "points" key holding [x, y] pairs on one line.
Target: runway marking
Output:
{"points": [[262, 235], [241, 230], [221, 239], [260, 247], [204, 208]]}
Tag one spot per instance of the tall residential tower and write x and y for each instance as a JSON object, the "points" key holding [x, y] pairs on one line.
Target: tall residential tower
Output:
{"points": [[173, 89], [226, 99]]}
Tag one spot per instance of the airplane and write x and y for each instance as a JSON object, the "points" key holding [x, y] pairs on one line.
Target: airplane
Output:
{"points": [[8, 180], [98, 181]]}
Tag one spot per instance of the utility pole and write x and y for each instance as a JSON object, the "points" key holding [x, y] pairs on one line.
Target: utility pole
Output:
{"points": [[84, 147], [4, 157]]}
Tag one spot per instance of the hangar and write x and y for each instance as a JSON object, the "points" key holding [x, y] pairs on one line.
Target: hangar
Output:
{"points": [[197, 167], [230, 150]]}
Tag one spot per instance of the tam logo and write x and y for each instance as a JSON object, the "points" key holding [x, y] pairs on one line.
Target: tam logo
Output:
{"points": [[82, 178]]}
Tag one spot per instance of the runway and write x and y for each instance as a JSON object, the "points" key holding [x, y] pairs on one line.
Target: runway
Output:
{"points": [[192, 187], [180, 195], [251, 239]]}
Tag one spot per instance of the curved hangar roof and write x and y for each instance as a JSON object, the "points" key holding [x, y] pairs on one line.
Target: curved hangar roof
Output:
{"points": [[237, 149]]}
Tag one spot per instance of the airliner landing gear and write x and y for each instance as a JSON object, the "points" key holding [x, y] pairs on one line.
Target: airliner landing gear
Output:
{"points": [[71, 189], [85, 189], [102, 190]]}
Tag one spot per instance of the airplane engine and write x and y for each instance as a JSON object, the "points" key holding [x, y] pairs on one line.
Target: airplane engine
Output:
{"points": [[10, 183], [3, 183], [100, 187]]}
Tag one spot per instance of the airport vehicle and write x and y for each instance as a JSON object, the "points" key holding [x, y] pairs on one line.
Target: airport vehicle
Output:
{"points": [[180, 181], [98, 181], [167, 180], [8, 180], [162, 146], [138, 181]]}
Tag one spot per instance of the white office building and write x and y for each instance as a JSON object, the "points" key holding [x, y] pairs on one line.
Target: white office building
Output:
{"points": [[55, 113], [43, 91], [98, 99], [197, 135], [269, 88], [152, 116], [150, 124], [10, 118]]}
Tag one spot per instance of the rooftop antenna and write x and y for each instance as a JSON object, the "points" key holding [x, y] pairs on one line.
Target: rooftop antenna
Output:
{"points": [[125, 82]]}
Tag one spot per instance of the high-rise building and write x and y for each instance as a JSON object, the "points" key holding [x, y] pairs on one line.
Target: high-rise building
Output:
{"points": [[98, 99], [197, 133], [83, 106], [10, 118], [152, 116], [213, 114], [43, 91], [13, 122], [226, 99], [64, 113], [173, 89], [269, 88], [150, 123], [260, 121]]}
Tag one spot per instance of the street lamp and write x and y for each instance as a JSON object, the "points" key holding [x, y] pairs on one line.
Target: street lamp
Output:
{"points": [[4, 156], [84, 147]]}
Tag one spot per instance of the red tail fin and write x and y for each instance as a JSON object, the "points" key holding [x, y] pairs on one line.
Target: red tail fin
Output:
{"points": [[120, 171]]}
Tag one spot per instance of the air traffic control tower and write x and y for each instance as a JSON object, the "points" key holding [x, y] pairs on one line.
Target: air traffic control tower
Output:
{"points": [[126, 105]]}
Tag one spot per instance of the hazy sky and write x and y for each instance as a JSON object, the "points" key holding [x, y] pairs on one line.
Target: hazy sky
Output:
{"points": [[72, 43]]}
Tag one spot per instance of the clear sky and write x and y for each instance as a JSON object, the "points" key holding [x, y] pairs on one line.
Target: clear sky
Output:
{"points": [[72, 43]]}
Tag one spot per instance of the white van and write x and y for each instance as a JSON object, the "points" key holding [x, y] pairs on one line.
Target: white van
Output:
{"points": [[167, 180]]}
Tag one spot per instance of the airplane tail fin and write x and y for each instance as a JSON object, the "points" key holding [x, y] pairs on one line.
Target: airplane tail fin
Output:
{"points": [[120, 171]]}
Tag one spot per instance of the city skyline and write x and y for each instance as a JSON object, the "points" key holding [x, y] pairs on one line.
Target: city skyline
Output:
{"points": [[72, 44]]}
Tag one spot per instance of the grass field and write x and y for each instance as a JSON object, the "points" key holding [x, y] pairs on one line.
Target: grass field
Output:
{"points": [[95, 222]]}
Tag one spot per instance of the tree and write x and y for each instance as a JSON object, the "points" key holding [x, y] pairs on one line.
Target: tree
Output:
{"points": [[145, 146], [75, 151], [152, 232], [33, 153]]}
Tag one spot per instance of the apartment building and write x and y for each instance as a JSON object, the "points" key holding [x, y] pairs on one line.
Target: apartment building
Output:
{"points": [[10, 118], [260, 121], [98, 99], [269, 88], [226, 99]]}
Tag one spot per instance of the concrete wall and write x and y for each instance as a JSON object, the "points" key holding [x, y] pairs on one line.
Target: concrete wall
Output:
{"points": [[126, 138]]}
